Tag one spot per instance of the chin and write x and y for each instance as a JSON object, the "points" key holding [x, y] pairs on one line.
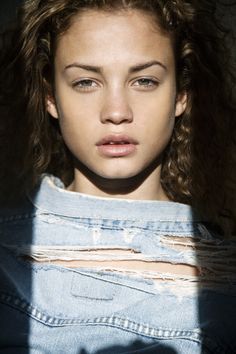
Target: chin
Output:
{"points": [[112, 171], [118, 175]]}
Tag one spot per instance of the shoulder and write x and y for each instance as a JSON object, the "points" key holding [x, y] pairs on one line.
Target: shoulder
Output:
{"points": [[32, 203], [17, 210], [21, 210]]}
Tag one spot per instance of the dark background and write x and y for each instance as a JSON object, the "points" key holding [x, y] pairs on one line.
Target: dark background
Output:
{"points": [[227, 12], [8, 10]]}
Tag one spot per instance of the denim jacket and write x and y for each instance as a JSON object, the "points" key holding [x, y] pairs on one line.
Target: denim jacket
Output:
{"points": [[47, 307]]}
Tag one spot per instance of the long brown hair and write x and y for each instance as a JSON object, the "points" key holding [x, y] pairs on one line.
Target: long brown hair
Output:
{"points": [[198, 162]]}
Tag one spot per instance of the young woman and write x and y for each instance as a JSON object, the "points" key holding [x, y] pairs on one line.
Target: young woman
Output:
{"points": [[117, 183]]}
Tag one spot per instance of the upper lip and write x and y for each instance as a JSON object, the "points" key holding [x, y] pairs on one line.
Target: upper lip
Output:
{"points": [[121, 138]]}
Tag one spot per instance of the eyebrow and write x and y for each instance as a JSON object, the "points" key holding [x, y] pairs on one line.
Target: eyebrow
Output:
{"points": [[132, 69]]}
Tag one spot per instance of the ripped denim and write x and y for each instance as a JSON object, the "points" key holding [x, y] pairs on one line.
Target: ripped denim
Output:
{"points": [[89, 275]]}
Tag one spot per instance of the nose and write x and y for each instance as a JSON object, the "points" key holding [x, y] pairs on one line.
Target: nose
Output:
{"points": [[116, 109]]}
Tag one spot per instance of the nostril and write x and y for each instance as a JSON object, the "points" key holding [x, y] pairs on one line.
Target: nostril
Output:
{"points": [[117, 115]]}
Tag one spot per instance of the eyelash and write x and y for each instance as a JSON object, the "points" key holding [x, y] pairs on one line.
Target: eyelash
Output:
{"points": [[153, 82], [83, 88], [77, 84]]}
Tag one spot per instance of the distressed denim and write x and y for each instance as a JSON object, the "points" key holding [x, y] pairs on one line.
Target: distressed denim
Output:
{"points": [[48, 308]]}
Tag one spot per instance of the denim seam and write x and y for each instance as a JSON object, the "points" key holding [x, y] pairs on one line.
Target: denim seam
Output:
{"points": [[126, 324], [189, 228], [17, 217], [116, 321]]}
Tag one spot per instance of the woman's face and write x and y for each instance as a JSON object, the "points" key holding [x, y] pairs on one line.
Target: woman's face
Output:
{"points": [[115, 92]]}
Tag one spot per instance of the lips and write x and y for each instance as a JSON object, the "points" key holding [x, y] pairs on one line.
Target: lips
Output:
{"points": [[116, 146], [116, 140]]}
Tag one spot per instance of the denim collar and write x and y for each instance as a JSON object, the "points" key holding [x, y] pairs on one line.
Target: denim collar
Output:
{"points": [[52, 197]]}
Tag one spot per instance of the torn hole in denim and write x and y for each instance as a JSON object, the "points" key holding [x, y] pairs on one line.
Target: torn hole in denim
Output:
{"points": [[112, 258], [193, 243], [213, 254], [125, 265], [204, 261]]}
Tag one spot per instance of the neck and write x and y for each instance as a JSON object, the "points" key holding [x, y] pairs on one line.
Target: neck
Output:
{"points": [[144, 186]]}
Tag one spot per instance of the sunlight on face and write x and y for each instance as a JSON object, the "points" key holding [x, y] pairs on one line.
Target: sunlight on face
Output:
{"points": [[115, 93]]}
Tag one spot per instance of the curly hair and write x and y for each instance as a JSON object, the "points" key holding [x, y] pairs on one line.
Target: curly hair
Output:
{"points": [[198, 162]]}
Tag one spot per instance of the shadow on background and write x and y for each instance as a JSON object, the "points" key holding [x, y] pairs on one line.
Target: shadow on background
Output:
{"points": [[15, 292], [10, 319]]}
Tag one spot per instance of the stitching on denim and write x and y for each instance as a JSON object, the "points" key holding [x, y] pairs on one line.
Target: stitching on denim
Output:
{"points": [[117, 321], [123, 323], [104, 224], [17, 217]]}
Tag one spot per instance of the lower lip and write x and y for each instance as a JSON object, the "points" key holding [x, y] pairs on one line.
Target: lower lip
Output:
{"points": [[116, 150]]}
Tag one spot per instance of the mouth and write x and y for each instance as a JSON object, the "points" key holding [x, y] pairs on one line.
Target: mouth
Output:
{"points": [[116, 140], [116, 146], [117, 143]]}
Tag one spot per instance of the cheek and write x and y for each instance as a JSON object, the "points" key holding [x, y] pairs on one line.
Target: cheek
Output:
{"points": [[160, 104], [76, 116], [72, 105], [158, 116]]}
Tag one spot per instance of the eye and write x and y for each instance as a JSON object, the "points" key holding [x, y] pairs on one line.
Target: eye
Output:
{"points": [[84, 85], [146, 82]]}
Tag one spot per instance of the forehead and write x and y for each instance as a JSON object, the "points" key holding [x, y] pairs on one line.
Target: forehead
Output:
{"points": [[101, 35]]}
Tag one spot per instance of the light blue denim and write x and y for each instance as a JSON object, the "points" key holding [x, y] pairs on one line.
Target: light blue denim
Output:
{"points": [[47, 308]]}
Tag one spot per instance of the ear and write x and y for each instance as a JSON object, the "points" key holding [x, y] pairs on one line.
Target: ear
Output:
{"points": [[181, 103], [51, 107]]}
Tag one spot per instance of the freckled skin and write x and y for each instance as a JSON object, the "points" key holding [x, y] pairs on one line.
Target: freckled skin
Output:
{"points": [[141, 105]]}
